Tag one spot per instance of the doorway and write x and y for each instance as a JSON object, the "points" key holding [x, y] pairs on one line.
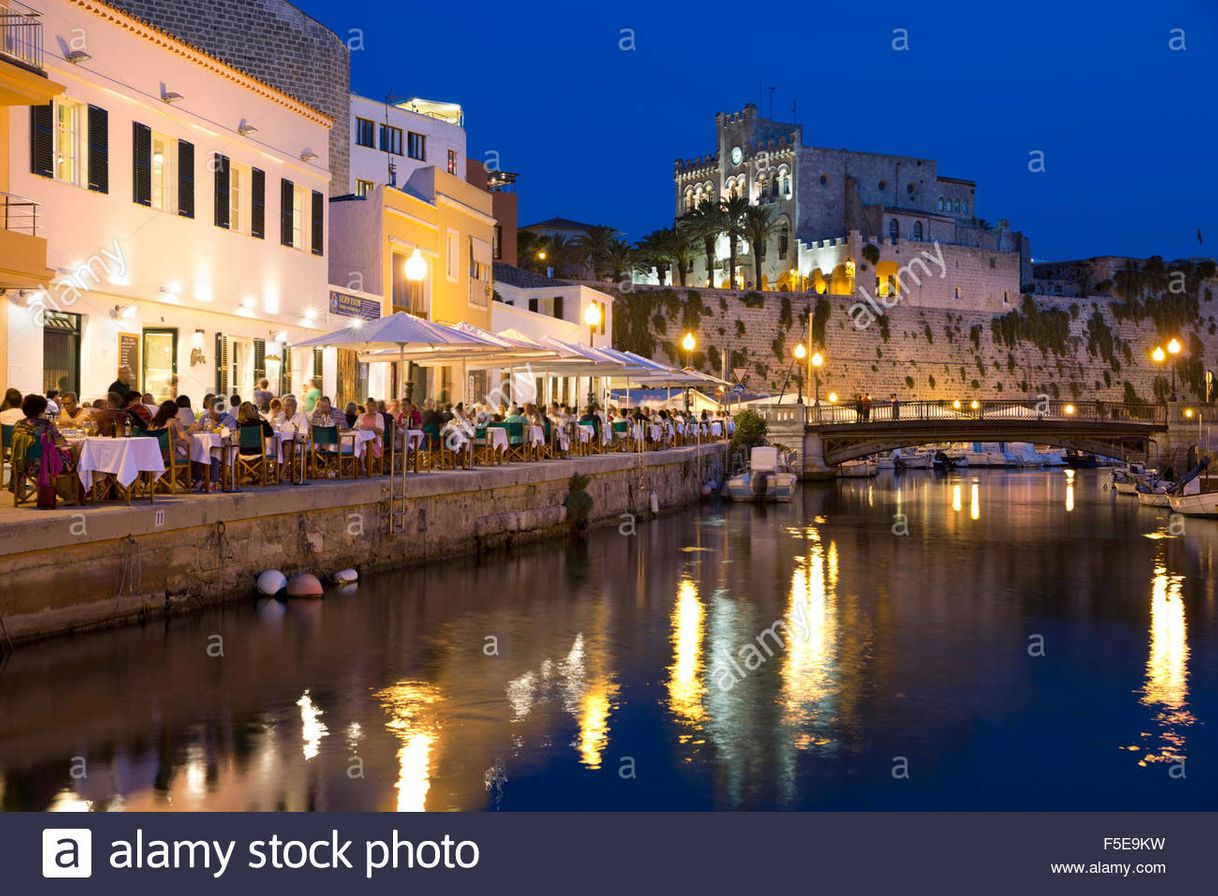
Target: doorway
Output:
{"points": [[161, 363]]}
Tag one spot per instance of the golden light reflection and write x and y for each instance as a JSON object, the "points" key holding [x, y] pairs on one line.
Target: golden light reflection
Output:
{"points": [[1167, 666], [594, 724], [808, 667], [957, 501], [312, 728], [686, 688], [1070, 493], [974, 507], [410, 706]]}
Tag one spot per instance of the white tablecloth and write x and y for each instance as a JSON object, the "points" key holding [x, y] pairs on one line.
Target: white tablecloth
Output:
{"points": [[125, 459], [716, 428], [414, 439], [358, 438], [202, 443], [586, 432], [497, 438], [535, 436]]}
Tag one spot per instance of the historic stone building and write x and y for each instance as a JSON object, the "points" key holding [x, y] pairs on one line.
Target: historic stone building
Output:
{"points": [[274, 42], [852, 221]]}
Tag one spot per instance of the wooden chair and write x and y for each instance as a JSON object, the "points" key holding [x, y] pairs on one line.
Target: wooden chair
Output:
{"points": [[176, 477], [324, 453], [517, 449], [435, 453], [261, 468]]}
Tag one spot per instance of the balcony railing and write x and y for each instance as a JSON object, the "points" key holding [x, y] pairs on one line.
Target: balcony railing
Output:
{"points": [[18, 214], [20, 35]]}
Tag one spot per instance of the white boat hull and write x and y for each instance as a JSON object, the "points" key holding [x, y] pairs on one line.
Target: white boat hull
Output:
{"points": [[857, 469], [1204, 504], [778, 487], [1153, 499]]}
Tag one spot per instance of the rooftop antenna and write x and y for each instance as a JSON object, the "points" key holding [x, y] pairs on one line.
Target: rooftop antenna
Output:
{"points": [[391, 99]]}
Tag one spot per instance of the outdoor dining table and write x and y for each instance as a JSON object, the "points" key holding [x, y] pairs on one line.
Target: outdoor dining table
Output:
{"points": [[535, 436], [203, 443], [716, 429], [126, 459]]}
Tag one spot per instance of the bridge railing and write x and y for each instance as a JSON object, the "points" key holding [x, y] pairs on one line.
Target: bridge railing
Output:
{"points": [[947, 410]]}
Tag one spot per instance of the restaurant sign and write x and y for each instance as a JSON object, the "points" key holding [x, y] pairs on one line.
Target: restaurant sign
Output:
{"points": [[353, 306]]}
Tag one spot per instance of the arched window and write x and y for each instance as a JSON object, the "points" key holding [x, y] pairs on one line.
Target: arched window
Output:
{"points": [[956, 206], [784, 239], [784, 182], [894, 230], [917, 231], [689, 199]]}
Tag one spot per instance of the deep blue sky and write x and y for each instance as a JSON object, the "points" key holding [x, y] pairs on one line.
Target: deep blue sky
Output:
{"points": [[1128, 127]]}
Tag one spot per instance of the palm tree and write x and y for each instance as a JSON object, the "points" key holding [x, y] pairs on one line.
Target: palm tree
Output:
{"points": [[680, 241], [619, 258], [529, 245], [595, 245], [758, 225], [734, 208], [706, 222], [650, 252]]}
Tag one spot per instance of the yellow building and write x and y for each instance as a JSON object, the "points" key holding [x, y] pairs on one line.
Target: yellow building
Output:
{"points": [[23, 82], [423, 247]]}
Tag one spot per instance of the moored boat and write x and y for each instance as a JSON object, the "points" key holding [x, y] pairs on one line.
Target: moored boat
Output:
{"points": [[763, 480], [857, 469]]}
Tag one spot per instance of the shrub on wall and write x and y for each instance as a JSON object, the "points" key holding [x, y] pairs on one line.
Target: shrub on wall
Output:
{"points": [[820, 319], [752, 300], [974, 335], [750, 431], [871, 253], [1046, 328], [909, 382], [884, 331]]}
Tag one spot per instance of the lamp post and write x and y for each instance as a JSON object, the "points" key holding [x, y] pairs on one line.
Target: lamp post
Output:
{"points": [[415, 269], [688, 343], [800, 354], [592, 317], [814, 364], [1173, 349]]}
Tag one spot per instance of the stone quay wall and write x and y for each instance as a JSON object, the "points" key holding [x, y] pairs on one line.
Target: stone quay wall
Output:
{"points": [[1096, 348], [78, 568]]}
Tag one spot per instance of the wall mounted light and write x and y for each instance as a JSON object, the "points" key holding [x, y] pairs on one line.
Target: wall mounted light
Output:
{"points": [[308, 156], [76, 57], [170, 97], [245, 129]]}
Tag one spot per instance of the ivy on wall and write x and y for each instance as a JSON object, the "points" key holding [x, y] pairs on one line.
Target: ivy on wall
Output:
{"points": [[1046, 328]]}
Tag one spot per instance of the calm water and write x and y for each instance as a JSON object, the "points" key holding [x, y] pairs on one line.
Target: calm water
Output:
{"points": [[626, 673]]}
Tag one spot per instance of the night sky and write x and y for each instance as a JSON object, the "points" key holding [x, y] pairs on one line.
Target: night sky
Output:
{"points": [[1127, 125]]}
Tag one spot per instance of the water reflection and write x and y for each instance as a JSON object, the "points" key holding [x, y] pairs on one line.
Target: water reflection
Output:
{"points": [[1166, 689], [744, 657]]}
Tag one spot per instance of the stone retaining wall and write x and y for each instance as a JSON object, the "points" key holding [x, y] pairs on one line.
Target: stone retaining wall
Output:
{"points": [[73, 568]]}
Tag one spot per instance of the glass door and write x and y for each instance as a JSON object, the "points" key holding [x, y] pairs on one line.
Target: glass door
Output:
{"points": [[161, 363]]}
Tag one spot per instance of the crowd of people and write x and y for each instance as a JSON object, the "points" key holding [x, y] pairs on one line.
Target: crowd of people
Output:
{"points": [[41, 419]]}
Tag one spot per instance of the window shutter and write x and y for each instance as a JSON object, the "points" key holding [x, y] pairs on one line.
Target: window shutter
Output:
{"points": [[285, 372], [319, 219], [186, 179], [141, 164], [558, 307], [259, 360], [221, 366], [99, 150], [42, 140], [258, 204], [286, 195], [222, 188], [317, 362]]}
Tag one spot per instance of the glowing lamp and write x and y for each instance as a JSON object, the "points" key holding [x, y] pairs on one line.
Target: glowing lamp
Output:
{"points": [[592, 314], [416, 266], [1158, 354], [800, 351], [1174, 347], [689, 342], [817, 359]]}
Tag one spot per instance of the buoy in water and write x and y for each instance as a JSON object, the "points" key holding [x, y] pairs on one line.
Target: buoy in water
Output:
{"points": [[346, 577], [655, 503], [271, 582], [304, 584]]}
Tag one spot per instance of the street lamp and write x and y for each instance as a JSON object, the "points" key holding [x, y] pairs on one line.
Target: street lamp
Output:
{"points": [[1173, 349], [688, 343], [592, 317], [815, 363], [415, 269], [800, 353]]}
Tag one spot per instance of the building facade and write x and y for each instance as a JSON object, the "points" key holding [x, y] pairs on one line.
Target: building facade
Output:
{"points": [[185, 209], [829, 204], [389, 142]]}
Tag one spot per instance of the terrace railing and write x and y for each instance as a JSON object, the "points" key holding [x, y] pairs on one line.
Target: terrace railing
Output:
{"points": [[20, 34], [18, 214]]}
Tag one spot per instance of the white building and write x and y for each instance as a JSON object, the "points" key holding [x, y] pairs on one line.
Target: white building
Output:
{"points": [[184, 204], [390, 141]]}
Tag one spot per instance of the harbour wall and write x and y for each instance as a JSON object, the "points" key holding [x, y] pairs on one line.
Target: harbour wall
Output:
{"points": [[74, 569]]}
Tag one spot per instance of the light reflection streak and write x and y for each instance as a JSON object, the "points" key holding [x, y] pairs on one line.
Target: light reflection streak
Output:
{"points": [[686, 688], [1166, 688], [312, 728], [974, 509], [410, 706], [809, 666], [957, 501]]}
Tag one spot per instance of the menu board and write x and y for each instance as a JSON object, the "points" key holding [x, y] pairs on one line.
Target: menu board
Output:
{"points": [[129, 355]]}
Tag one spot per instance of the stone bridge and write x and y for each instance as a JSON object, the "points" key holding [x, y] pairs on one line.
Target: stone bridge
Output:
{"points": [[826, 435]]}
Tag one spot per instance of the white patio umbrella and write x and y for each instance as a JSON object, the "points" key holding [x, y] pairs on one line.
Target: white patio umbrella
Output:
{"points": [[402, 331]]}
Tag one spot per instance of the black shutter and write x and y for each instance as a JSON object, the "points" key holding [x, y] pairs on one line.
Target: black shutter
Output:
{"points": [[186, 179], [258, 205], [221, 367], [99, 150], [141, 163], [286, 193], [285, 372], [558, 307], [259, 360], [42, 140], [222, 190], [319, 218]]}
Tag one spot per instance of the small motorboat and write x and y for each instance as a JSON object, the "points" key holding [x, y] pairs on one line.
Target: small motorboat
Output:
{"points": [[763, 480], [857, 469], [1193, 497], [885, 462], [910, 460], [1153, 492], [1124, 480], [944, 462]]}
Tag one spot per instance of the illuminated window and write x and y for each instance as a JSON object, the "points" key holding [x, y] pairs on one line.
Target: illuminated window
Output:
{"points": [[452, 161], [364, 187], [301, 203], [164, 163], [69, 141], [238, 180]]}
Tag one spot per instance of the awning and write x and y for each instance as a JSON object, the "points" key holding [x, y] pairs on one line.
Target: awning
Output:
{"points": [[481, 251]]}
